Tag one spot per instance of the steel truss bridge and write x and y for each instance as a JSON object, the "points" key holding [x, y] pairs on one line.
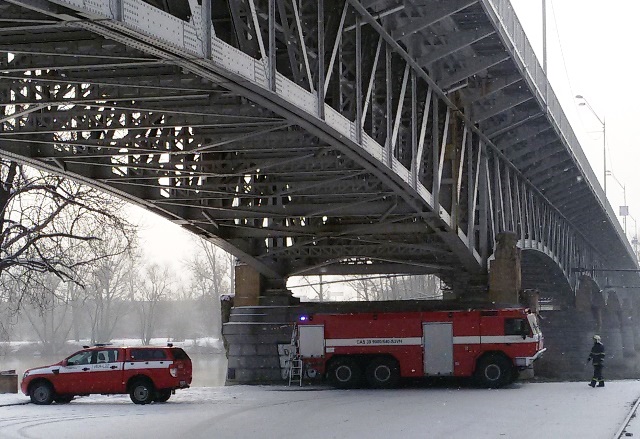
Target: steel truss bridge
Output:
{"points": [[312, 136]]}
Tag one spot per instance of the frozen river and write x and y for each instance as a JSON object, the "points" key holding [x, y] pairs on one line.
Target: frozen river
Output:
{"points": [[523, 411]]}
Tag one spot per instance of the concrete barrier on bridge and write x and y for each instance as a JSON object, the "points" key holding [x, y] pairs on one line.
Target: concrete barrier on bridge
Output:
{"points": [[8, 381]]}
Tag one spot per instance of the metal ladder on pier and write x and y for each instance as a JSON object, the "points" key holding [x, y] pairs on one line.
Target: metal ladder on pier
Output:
{"points": [[296, 365]]}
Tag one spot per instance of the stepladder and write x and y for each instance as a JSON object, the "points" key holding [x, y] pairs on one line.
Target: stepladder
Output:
{"points": [[296, 365], [296, 370]]}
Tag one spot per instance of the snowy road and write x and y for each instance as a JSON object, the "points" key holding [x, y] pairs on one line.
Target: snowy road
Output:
{"points": [[523, 411]]}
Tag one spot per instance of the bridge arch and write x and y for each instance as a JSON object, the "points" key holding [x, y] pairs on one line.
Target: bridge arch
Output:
{"points": [[542, 272]]}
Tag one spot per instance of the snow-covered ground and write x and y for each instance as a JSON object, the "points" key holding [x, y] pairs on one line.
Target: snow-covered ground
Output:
{"points": [[522, 411]]}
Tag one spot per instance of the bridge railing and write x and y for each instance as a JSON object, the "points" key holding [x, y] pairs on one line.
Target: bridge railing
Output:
{"points": [[528, 62]]}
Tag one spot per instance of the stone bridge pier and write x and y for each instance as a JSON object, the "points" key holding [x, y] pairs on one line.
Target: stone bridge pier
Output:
{"points": [[612, 330], [568, 334], [257, 325], [628, 327]]}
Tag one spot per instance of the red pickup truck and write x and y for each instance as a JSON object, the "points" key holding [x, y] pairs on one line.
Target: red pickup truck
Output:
{"points": [[148, 374]]}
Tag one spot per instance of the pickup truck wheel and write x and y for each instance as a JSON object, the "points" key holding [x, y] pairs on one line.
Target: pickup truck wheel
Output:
{"points": [[141, 392], [345, 373], [163, 395], [41, 393], [383, 373], [494, 371], [66, 399]]}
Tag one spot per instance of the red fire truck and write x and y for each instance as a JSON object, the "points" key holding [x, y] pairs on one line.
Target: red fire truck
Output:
{"points": [[347, 348]]}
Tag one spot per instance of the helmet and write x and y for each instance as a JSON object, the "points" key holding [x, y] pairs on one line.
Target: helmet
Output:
{"points": [[596, 338]]}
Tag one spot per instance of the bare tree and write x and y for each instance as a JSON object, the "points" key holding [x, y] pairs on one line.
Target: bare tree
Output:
{"points": [[394, 287], [210, 277], [108, 286], [318, 288], [152, 290], [415, 287], [48, 223], [184, 304], [77, 298], [7, 320], [48, 312], [368, 288]]}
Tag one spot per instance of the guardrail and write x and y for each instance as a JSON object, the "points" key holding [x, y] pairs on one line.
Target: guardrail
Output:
{"points": [[505, 16]]}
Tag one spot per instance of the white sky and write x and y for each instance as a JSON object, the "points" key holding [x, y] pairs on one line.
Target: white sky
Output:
{"points": [[522, 410], [162, 241], [592, 51]]}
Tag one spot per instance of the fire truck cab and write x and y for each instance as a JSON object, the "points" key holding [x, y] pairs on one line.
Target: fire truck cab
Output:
{"points": [[379, 348]]}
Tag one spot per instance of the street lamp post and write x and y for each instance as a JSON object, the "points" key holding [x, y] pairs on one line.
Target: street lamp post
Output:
{"points": [[634, 241], [544, 37], [604, 138], [624, 209]]}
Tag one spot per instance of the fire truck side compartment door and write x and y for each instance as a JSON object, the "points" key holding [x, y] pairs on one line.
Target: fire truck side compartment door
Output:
{"points": [[438, 348], [311, 340]]}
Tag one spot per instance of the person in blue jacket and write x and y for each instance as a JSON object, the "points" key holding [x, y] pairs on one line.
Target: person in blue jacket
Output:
{"points": [[597, 356]]}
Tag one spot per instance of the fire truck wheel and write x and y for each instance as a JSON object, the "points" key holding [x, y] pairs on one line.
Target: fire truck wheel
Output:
{"points": [[344, 373], [383, 373], [494, 371]]}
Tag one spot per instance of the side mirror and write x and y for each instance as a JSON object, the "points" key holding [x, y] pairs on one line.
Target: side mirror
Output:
{"points": [[65, 363]]}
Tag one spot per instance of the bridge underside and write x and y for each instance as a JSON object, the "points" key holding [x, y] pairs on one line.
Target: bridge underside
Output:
{"points": [[320, 137], [541, 273]]}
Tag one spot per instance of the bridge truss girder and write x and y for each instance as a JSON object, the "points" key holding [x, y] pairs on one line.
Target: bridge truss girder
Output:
{"points": [[304, 137]]}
